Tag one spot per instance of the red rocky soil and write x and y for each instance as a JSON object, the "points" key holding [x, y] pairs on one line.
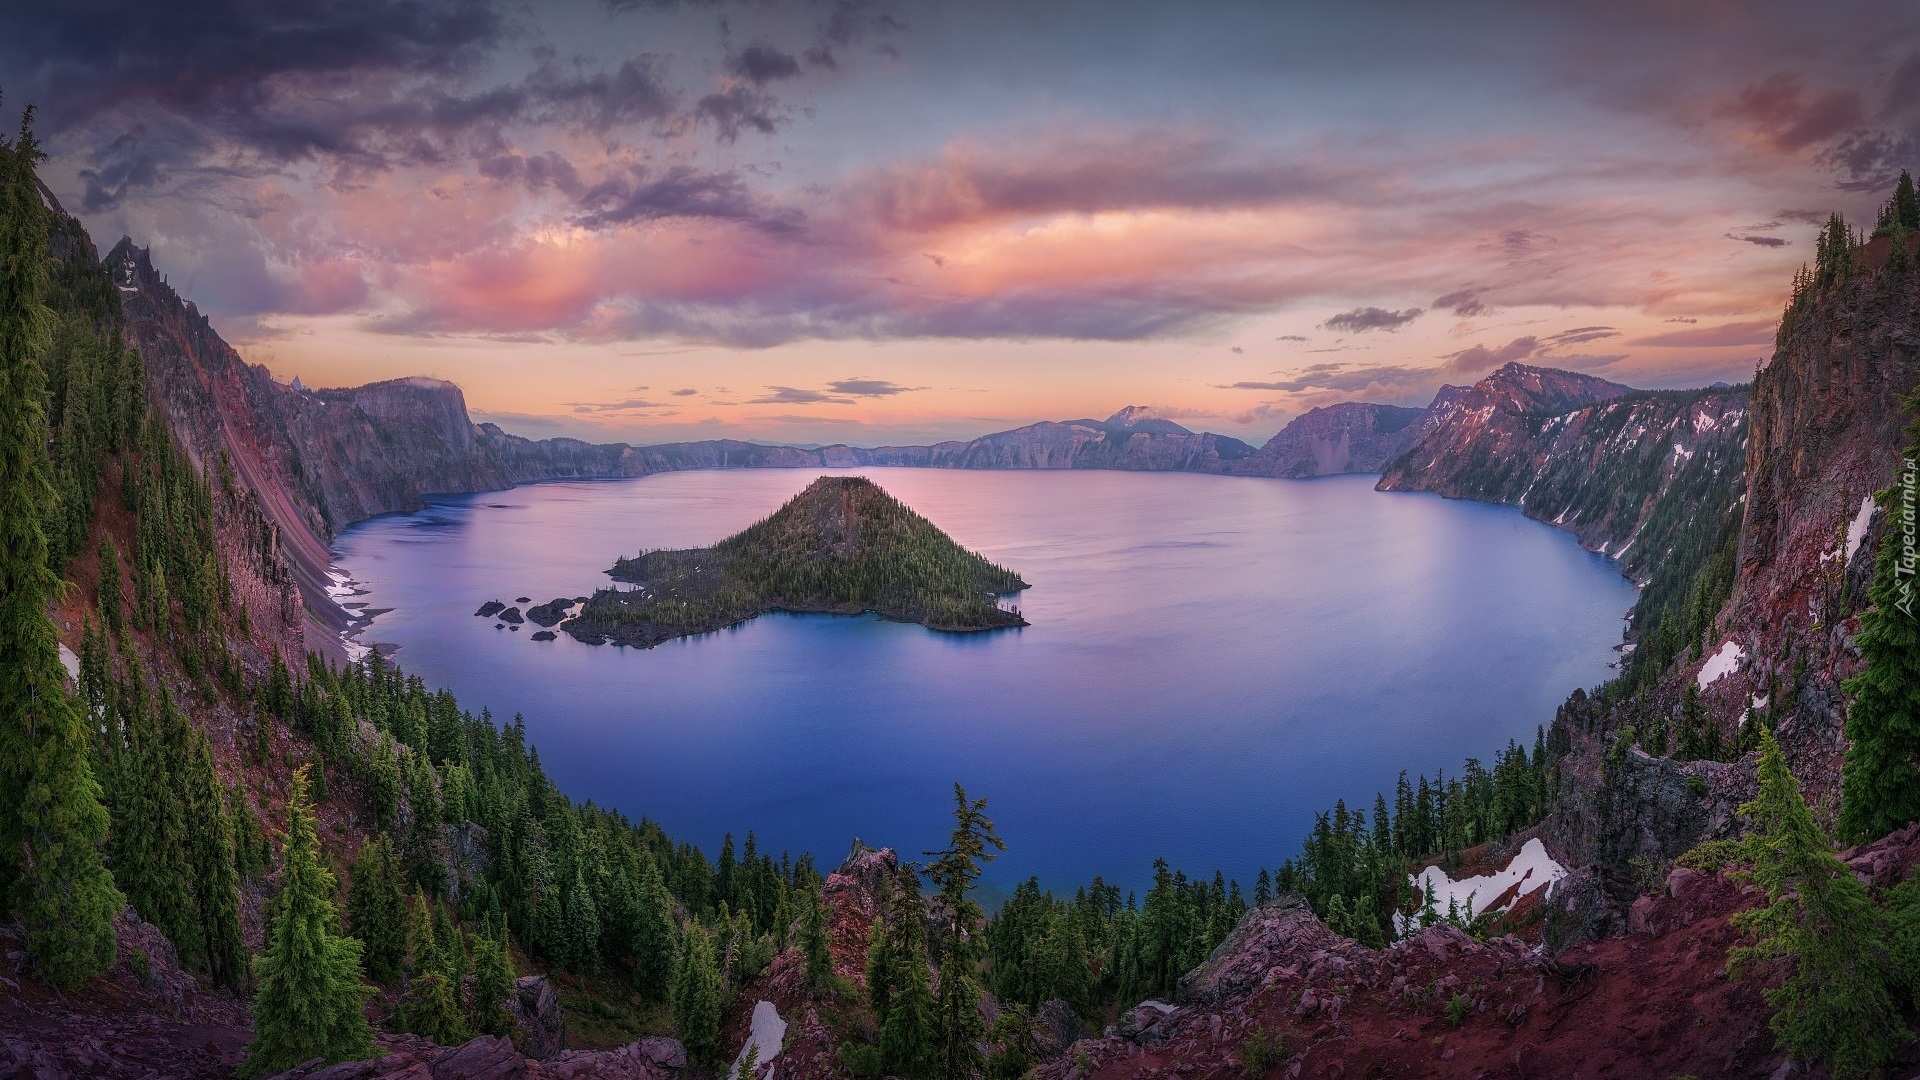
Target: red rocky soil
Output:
{"points": [[1655, 1003]]}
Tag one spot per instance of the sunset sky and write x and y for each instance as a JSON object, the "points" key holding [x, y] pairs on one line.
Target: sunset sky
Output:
{"points": [[882, 221]]}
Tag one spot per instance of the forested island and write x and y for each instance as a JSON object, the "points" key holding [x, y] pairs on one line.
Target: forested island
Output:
{"points": [[842, 546]]}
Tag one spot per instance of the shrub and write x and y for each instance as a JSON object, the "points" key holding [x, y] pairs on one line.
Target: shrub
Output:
{"points": [[1261, 1052]]}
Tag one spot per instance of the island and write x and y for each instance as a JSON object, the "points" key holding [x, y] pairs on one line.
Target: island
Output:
{"points": [[842, 546]]}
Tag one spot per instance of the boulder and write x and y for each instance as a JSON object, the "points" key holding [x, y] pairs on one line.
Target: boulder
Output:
{"points": [[1056, 1027], [1643, 917], [1682, 880], [539, 1027], [664, 1052], [512, 615], [1146, 1024], [489, 609], [551, 612]]}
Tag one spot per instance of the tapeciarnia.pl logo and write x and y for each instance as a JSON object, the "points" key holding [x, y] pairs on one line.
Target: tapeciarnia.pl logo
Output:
{"points": [[1904, 565]]}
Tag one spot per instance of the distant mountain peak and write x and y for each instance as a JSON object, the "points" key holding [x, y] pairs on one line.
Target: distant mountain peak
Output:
{"points": [[1141, 418]]}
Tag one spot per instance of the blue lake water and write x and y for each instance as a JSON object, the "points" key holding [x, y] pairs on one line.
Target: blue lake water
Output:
{"points": [[1211, 660]]}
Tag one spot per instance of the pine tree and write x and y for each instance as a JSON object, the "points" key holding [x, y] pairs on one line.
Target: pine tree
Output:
{"points": [[216, 878], [883, 964], [1880, 777], [109, 595], [582, 935], [430, 1006], [910, 1043], [493, 983], [310, 994], [1906, 203], [377, 909], [52, 823], [815, 940], [953, 872], [1834, 1006], [697, 999], [652, 937]]}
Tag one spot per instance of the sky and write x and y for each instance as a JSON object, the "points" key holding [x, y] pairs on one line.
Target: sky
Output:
{"points": [[897, 221]]}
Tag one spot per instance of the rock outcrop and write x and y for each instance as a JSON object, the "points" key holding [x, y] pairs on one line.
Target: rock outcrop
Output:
{"points": [[409, 1057], [1350, 437], [1623, 470], [1284, 996]]}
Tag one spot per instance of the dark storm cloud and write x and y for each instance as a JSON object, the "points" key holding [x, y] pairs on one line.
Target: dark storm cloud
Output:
{"points": [[83, 58], [863, 387], [1361, 320], [762, 64], [683, 191]]}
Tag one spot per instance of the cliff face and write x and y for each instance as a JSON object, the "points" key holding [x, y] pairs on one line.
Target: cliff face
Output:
{"points": [[1469, 428], [1624, 474], [1130, 440], [1350, 437], [1826, 434]]}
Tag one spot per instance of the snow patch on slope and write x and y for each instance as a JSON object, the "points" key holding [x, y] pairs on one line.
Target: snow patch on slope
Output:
{"points": [[767, 1034], [1857, 528], [1531, 870], [1720, 664]]}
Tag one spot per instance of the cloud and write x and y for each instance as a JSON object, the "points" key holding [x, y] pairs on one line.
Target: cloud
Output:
{"points": [[1762, 241], [797, 418], [1756, 332], [1479, 358], [1578, 335], [1361, 320], [862, 387], [681, 191], [1465, 303], [685, 392], [739, 108], [788, 395], [762, 64], [1781, 111], [630, 405], [1293, 337], [1342, 377], [974, 183]]}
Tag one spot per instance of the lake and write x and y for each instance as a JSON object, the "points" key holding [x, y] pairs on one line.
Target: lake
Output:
{"points": [[1211, 660]]}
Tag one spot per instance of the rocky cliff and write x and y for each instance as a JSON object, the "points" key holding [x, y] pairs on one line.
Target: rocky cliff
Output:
{"points": [[1350, 437], [1623, 473], [1826, 434], [1131, 439]]}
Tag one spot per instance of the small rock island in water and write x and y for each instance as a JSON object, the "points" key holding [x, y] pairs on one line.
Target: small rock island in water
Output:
{"points": [[842, 546]]}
